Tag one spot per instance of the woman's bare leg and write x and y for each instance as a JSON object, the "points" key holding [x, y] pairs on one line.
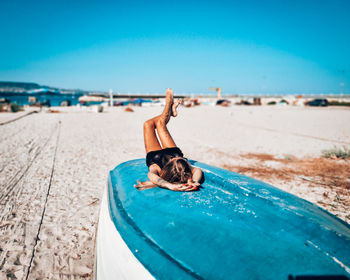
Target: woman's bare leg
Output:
{"points": [[162, 130], [150, 137], [159, 123]]}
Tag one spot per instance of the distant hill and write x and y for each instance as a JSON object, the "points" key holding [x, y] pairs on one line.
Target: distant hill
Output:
{"points": [[22, 87], [17, 86]]}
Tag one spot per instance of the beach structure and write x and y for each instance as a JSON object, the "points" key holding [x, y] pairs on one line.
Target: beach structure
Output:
{"points": [[235, 227], [92, 99], [32, 99], [111, 97], [218, 91]]}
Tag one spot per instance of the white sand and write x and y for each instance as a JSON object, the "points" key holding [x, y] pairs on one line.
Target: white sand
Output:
{"points": [[90, 144]]}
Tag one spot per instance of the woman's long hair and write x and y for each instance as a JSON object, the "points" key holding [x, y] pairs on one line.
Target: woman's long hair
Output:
{"points": [[176, 171]]}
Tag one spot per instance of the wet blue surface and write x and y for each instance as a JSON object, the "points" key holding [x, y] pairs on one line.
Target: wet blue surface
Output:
{"points": [[235, 227]]}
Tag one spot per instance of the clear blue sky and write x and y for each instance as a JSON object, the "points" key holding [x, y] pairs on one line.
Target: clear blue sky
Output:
{"points": [[146, 46]]}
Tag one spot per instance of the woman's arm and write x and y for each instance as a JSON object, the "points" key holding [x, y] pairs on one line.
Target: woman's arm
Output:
{"points": [[197, 178], [155, 179], [154, 169], [153, 176], [144, 185], [197, 175]]}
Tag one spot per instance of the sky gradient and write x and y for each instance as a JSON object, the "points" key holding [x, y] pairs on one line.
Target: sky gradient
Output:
{"points": [[243, 47]]}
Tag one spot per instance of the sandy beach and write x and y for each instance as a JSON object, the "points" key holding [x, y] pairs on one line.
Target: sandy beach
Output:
{"points": [[54, 168]]}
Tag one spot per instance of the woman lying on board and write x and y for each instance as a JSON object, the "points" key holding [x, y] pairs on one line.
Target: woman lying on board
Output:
{"points": [[167, 166]]}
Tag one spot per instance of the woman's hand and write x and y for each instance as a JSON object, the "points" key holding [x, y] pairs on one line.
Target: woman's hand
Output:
{"points": [[144, 185], [189, 186], [181, 187], [193, 184], [174, 187], [155, 180]]}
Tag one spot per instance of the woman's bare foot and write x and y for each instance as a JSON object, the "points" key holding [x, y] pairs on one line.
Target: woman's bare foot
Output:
{"points": [[169, 101], [174, 107], [169, 96]]}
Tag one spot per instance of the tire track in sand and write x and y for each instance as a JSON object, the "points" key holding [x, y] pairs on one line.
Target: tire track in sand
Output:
{"points": [[45, 204]]}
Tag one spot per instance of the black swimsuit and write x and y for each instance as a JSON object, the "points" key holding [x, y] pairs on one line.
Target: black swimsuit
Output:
{"points": [[161, 157]]}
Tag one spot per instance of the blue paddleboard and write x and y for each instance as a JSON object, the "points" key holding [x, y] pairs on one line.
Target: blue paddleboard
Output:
{"points": [[235, 227]]}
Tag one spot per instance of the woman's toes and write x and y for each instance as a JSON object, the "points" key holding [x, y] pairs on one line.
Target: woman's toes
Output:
{"points": [[174, 108]]}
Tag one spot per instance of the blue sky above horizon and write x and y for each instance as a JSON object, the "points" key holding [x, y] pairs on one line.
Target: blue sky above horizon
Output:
{"points": [[147, 46]]}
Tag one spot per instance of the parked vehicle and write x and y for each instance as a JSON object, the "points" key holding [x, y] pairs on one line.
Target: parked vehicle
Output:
{"points": [[318, 102]]}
